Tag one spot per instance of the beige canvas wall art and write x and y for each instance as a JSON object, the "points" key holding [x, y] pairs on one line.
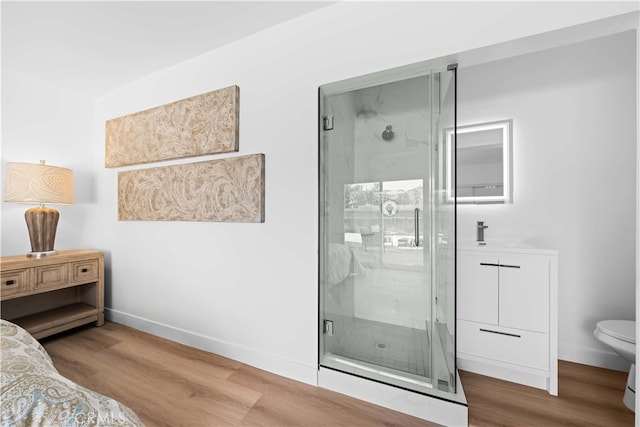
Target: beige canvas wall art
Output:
{"points": [[223, 190], [196, 126]]}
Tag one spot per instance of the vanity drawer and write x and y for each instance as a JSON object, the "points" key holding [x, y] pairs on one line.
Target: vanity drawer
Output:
{"points": [[524, 348], [50, 276], [84, 271], [14, 282]]}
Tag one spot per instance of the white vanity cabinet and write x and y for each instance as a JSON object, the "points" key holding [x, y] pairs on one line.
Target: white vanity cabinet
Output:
{"points": [[507, 314]]}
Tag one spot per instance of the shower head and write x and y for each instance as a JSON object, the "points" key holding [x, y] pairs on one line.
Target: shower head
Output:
{"points": [[388, 134]]}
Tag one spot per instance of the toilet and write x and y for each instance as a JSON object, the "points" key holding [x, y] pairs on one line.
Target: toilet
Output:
{"points": [[620, 335]]}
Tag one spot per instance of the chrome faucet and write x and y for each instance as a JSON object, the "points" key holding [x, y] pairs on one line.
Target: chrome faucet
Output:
{"points": [[480, 233]]}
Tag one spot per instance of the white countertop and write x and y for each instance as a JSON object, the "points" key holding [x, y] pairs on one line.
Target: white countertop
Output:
{"points": [[504, 246]]}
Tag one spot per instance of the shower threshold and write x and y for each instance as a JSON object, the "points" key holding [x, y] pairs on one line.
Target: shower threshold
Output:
{"points": [[390, 376], [396, 390]]}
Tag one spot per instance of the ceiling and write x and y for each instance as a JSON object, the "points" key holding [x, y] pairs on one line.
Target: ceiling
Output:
{"points": [[94, 47]]}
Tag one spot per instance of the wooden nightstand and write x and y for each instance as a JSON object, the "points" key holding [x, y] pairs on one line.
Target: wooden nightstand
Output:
{"points": [[52, 294]]}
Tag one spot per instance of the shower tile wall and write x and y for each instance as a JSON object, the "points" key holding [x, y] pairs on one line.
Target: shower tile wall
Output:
{"points": [[401, 105], [392, 296]]}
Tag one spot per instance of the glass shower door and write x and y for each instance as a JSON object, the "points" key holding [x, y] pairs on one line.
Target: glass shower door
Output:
{"points": [[386, 268]]}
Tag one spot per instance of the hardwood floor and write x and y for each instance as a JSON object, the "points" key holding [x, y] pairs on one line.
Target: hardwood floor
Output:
{"points": [[172, 385], [587, 396], [169, 384]]}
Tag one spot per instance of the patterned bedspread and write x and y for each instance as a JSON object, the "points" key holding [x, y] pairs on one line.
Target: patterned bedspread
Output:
{"points": [[35, 394]]}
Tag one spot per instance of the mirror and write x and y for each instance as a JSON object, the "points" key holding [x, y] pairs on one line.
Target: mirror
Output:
{"points": [[483, 160]]}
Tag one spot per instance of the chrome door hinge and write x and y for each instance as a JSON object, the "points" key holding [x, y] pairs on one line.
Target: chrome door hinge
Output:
{"points": [[328, 327], [327, 123]]}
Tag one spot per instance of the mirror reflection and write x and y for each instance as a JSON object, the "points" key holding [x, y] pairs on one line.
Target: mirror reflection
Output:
{"points": [[383, 222], [483, 160]]}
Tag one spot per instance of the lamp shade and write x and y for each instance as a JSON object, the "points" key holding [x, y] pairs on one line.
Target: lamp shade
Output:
{"points": [[38, 184]]}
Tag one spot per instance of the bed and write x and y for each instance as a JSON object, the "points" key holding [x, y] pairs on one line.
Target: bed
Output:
{"points": [[341, 263], [33, 393]]}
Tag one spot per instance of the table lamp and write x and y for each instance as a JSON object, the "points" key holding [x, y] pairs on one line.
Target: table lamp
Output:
{"points": [[39, 184]]}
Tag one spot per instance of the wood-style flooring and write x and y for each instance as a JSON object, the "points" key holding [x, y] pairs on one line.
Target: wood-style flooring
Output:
{"points": [[169, 384], [587, 396]]}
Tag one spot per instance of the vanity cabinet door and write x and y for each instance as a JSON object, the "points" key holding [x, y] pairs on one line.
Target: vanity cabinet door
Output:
{"points": [[524, 293], [477, 288]]}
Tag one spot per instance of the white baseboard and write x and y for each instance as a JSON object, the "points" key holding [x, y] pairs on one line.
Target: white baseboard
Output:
{"points": [[592, 356], [268, 362]]}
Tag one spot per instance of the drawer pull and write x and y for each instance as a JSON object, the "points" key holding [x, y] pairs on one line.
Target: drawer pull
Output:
{"points": [[490, 264], [500, 333], [84, 270], [10, 282]]}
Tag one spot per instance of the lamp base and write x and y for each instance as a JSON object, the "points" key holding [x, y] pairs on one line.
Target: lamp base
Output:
{"points": [[39, 255], [42, 223]]}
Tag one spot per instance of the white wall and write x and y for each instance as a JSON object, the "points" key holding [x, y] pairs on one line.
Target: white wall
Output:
{"points": [[574, 150], [250, 290], [44, 122]]}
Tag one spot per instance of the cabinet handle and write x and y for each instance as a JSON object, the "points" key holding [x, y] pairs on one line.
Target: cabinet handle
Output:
{"points": [[10, 282], [84, 270], [500, 333], [490, 264]]}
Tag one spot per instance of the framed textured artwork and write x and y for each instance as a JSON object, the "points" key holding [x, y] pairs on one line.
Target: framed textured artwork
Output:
{"points": [[222, 190], [196, 126]]}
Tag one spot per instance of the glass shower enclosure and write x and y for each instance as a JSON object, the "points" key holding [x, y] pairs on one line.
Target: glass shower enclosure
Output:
{"points": [[387, 230]]}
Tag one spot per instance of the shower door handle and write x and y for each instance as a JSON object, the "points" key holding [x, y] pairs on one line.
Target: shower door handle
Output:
{"points": [[416, 221]]}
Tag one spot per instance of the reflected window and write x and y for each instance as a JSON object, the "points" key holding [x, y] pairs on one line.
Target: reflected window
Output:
{"points": [[385, 220]]}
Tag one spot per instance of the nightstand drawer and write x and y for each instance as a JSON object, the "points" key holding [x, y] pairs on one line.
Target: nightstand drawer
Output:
{"points": [[84, 271], [14, 282], [50, 276]]}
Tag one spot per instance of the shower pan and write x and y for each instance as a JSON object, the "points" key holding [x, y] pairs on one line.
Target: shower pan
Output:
{"points": [[387, 232]]}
